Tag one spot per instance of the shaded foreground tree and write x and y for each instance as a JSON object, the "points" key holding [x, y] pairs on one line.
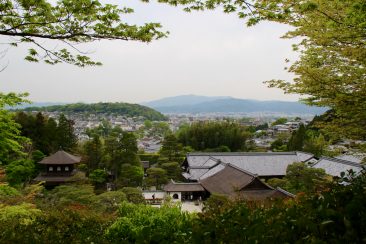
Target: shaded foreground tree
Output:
{"points": [[69, 22]]}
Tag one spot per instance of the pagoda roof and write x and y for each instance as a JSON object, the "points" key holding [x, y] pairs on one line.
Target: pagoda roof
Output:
{"points": [[60, 157]]}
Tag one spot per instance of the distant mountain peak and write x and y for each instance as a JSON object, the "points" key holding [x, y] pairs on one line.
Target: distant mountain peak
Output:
{"points": [[180, 100], [205, 104]]}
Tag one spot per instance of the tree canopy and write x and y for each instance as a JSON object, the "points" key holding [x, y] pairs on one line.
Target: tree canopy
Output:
{"points": [[214, 136], [124, 109], [68, 22], [11, 140]]}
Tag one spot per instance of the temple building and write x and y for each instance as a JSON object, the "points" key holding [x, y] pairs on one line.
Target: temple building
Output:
{"points": [[58, 168], [230, 181]]}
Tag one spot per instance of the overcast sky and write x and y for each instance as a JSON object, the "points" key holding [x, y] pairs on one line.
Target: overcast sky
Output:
{"points": [[207, 53]]}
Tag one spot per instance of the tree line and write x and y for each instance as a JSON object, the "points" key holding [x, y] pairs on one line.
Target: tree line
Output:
{"points": [[125, 109]]}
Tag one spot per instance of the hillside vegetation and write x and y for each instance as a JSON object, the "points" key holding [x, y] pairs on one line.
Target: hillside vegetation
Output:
{"points": [[125, 109]]}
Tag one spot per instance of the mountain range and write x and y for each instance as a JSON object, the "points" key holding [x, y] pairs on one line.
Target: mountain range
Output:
{"points": [[204, 104]]}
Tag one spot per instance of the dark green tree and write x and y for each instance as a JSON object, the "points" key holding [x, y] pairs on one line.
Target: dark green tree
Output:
{"points": [[171, 149], [156, 177], [120, 148], [209, 135], [297, 139], [130, 175], [94, 151], [98, 176], [51, 132], [20, 171], [65, 133], [173, 170]]}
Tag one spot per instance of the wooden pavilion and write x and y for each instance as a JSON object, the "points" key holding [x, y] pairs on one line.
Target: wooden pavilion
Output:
{"points": [[58, 168]]}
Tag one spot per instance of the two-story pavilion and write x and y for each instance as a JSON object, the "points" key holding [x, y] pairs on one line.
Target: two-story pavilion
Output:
{"points": [[58, 168]]}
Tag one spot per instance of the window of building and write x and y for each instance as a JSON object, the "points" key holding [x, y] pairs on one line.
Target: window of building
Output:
{"points": [[58, 168], [175, 196], [50, 169], [66, 168]]}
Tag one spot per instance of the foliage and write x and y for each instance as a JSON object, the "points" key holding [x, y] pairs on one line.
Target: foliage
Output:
{"points": [[68, 195], [7, 193], [133, 195], [331, 68], [11, 140], [46, 135], [302, 178], [151, 157], [262, 127], [296, 142], [335, 216], [280, 144], [146, 224], [280, 121], [124, 109], [29, 225], [103, 130], [69, 23], [93, 149], [65, 133], [156, 177], [98, 176], [120, 148], [37, 156], [20, 171], [171, 148], [315, 144], [109, 201], [208, 135], [173, 170], [16, 217], [131, 175]]}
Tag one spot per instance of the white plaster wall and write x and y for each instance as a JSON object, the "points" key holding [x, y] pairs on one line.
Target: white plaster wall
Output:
{"points": [[149, 194]]}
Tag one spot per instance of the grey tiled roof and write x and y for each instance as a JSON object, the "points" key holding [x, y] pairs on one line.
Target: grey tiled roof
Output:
{"points": [[212, 171], [60, 157], [183, 187], [334, 166], [262, 164], [352, 158]]}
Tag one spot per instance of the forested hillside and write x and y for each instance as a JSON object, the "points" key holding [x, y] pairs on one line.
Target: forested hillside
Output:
{"points": [[125, 109]]}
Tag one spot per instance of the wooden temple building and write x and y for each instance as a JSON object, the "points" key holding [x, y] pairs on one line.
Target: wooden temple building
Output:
{"points": [[230, 181], [58, 168]]}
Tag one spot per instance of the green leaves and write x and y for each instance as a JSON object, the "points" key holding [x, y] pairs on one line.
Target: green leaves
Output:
{"points": [[11, 142], [69, 22]]}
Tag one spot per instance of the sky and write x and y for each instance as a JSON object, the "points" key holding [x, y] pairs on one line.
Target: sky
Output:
{"points": [[207, 53]]}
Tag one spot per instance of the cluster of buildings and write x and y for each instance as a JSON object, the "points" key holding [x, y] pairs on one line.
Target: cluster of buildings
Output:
{"points": [[83, 121], [243, 174], [235, 175]]}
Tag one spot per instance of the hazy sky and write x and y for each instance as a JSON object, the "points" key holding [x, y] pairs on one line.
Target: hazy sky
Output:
{"points": [[207, 53]]}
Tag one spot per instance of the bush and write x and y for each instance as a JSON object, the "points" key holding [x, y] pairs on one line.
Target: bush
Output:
{"points": [[133, 195], [146, 224]]}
